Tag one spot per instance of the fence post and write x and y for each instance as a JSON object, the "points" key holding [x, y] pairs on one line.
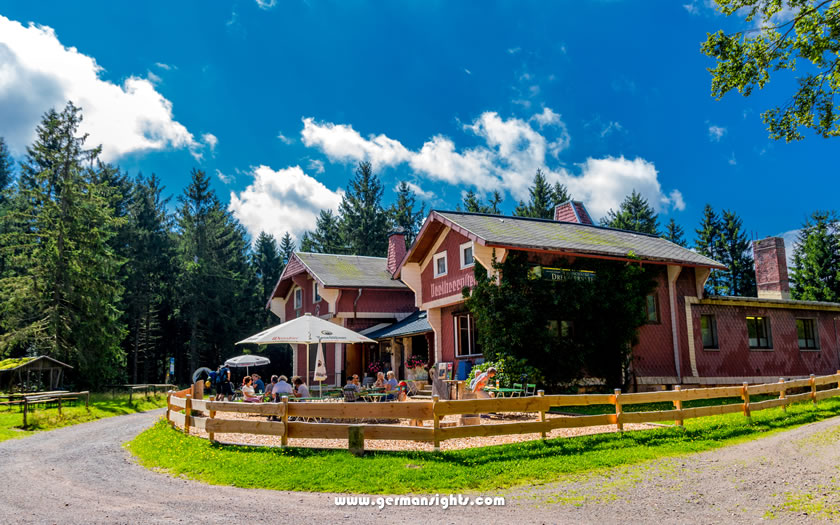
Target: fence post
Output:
{"points": [[436, 423], [678, 405], [59, 405], [783, 393], [87, 400], [813, 382], [745, 395], [211, 436], [356, 440], [618, 424], [25, 410], [187, 413], [284, 439], [130, 394], [541, 393]]}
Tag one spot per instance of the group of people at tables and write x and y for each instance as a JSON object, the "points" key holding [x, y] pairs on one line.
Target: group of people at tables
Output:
{"points": [[254, 390]]}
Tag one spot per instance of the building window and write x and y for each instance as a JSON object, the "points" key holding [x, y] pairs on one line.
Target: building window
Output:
{"points": [[440, 264], [298, 298], [708, 327], [652, 309], [561, 329], [315, 294], [465, 344], [806, 331], [467, 259], [758, 330]]}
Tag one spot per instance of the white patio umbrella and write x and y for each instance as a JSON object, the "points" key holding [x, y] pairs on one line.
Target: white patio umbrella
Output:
{"points": [[305, 330], [247, 361]]}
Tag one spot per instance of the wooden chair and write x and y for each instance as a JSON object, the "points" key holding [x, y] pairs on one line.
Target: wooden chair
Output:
{"points": [[350, 395]]}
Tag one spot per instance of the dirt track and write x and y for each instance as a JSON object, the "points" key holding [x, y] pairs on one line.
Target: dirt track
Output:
{"points": [[81, 474]]}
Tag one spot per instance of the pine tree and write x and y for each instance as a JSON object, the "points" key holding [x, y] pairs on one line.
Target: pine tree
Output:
{"points": [[149, 280], [815, 273], [403, 214], [268, 263], [495, 201], [708, 243], [62, 293], [543, 199], [327, 237], [364, 222], [6, 170], [307, 244], [674, 233], [472, 203], [736, 255], [287, 248], [559, 195], [217, 287], [634, 214]]}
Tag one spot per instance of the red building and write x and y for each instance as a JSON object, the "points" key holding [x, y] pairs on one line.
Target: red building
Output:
{"points": [[689, 339], [357, 292]]}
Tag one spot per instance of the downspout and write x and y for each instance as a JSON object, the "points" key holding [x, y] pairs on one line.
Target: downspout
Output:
{"points": [[355, 302]]}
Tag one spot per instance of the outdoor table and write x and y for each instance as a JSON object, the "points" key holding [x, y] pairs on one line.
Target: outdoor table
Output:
{"points": [[502, 391], [374, 396]]}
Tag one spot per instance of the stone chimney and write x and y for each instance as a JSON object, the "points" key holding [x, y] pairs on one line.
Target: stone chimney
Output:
{"points": [[771, 275], [572, 211], [396, 250]]}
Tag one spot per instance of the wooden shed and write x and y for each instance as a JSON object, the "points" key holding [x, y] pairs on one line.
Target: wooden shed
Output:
{"points": [[28, 373]]}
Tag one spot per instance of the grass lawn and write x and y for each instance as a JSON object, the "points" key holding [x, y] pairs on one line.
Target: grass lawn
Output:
{"points": [[480, 469], [101, 405]]}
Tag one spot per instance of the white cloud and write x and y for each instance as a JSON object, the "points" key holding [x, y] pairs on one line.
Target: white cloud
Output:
{"points": [[716, 133], [418, 191], [38, 73], [732, 161], [514, 50], [467, 71], [691, 8], [343, 143], [603, 184], [283, 138], [226, 179], [210, 140], [610, 128], [266, 4], [316, 165], [286, 200], [166, 67], [512, 150], [154, 79]]}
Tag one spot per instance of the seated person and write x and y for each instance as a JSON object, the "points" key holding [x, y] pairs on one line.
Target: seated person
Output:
{"points": [[248, 394], [380, 380], [481, 381], [282, 388], [351, 390], [301, 390], [352, 385], [403, 391], [259, 386], [391, 385]]}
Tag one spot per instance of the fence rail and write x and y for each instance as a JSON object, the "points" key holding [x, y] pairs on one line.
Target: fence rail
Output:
{"points": [[203, 414]]}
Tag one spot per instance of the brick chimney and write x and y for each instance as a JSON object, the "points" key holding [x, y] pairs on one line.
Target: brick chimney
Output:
{"points": [[396, 250], [572, 211], [771, 275]]}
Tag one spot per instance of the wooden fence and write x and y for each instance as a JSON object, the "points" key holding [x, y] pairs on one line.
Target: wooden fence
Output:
{"points": [[300, 420]]}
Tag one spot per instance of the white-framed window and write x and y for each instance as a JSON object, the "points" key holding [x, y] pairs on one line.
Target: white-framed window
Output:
{"points": [[465, 343], [298, 293], [316, 295], [808, 334], [467, 259], [439, 262]]}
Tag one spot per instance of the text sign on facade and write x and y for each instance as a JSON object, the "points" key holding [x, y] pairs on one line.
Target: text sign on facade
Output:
{"points": [[562, 274], [452, 286]]}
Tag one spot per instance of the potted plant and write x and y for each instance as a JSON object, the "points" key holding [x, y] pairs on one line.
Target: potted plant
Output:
{"points": [[416, 368]]}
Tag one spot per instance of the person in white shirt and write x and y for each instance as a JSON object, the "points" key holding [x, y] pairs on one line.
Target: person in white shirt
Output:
{"points": [[282, 387], [248, 394]]}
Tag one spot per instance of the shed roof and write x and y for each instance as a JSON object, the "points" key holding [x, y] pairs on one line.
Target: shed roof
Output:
{"points": [[562, 237], [22, 362], [416, 323], [349, 271]]}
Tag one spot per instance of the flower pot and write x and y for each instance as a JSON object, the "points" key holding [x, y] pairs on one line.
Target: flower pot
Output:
{"points": [[409, 374], [421, 374]]}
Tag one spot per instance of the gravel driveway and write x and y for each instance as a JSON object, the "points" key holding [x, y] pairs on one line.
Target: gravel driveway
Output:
{"points": [[81, 474]]}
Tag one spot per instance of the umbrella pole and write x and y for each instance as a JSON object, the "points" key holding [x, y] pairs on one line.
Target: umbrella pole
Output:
{"points": [[320, 389]]}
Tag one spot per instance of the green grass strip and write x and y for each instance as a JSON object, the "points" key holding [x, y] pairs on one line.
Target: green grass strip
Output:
{"points": [[101, 406], [478, 469]]}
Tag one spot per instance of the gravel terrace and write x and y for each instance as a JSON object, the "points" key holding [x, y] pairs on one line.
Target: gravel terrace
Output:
{"points": [[81, 474]]}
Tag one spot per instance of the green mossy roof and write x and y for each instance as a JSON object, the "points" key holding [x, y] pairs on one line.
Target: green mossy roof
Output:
{"points": [[14, 362]]}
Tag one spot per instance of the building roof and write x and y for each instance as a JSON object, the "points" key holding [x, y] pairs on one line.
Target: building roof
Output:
{"points": [[22, 362], [416, 323], [566, 237], [765, 302], [349, 271]]}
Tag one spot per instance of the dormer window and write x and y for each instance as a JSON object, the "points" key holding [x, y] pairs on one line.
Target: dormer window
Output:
{"points": [[439, 262]]}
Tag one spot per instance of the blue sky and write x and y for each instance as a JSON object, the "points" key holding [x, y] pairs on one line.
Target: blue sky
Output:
{"points": [[279, 102]]}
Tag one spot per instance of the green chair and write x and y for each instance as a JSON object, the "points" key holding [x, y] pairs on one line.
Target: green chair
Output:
{"points": [[530, 389], [518, 387]]}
